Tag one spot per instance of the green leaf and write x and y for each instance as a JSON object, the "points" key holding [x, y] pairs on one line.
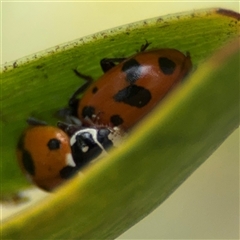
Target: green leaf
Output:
{"points": [[160, 153]]}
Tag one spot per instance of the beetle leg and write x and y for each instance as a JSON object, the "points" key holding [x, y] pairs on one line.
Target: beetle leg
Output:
{"points": [[35, 122], [68, 128], [144, 46], [73, 99], [69, 113], [108, 63]]}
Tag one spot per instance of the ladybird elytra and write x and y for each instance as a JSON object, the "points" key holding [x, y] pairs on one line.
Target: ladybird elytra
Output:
{"points": [[131, 89], [43, 152]]}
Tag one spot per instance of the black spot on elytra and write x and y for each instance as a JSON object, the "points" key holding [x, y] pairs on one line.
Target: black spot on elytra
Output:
{"points": [[116, 120], [54, 144], [28, 162], [88, 111], [133, 70], [68, 172], [94, 90], [134, 95], [166, 65]]}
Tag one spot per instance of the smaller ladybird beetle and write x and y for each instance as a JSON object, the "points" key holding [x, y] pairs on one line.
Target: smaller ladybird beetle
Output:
{"points": [[50, 155], [89, 144], [132, 88], [44, 155]]}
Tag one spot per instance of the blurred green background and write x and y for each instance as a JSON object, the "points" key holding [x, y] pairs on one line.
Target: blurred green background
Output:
{"points": [[206, 206]]}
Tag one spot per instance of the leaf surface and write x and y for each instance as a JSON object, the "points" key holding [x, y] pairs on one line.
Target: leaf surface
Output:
{"points": [[163, 150]]}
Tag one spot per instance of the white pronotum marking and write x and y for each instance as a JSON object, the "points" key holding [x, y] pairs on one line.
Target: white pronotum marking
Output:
{"points": [[69, 160], [93, 133]]}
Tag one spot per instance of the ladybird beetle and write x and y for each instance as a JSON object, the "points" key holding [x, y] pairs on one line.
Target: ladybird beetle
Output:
{"points": [[50, 155], [132, 88], [44, 155], [89, 144]]}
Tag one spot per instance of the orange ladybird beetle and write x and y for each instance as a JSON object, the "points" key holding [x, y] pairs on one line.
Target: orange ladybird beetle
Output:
{"points": [[132, 88], [50, 155], [44, 155]]}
